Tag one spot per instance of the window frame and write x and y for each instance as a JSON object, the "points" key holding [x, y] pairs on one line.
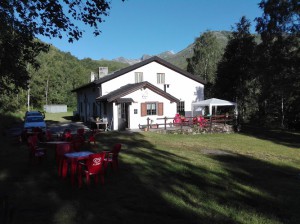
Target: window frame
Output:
{"points": [[151, 111], [181, 107], [160, 78], [138, 77], [159, 109]]}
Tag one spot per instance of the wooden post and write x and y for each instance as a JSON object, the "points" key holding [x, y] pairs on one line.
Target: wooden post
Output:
{"points": [[148, 121], [165, 123]]}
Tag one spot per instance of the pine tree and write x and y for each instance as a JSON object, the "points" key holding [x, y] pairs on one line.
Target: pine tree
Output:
{"points": [[235, 79]]}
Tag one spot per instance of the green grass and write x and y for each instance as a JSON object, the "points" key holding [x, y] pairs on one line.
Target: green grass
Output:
{"points": [[59, 117], [252, 177]]}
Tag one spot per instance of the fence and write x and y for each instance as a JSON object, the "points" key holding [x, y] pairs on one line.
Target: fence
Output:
{"points": [[205, 122]]}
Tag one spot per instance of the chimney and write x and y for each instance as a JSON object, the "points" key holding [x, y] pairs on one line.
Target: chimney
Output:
{"points": [[103, 71], [93, 76]]}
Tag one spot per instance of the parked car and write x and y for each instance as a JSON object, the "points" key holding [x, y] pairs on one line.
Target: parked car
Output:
{"points": [[32, 122], [34, 113]]}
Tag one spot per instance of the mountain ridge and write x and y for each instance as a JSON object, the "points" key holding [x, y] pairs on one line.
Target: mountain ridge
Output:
{"points": [[179, 58]]}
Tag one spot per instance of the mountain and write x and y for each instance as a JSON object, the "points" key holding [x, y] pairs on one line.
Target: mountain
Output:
{"points": [[164, 55], [179, 59]]}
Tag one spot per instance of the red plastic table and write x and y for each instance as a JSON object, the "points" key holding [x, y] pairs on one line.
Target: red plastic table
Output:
{"points": [[73, 158]]}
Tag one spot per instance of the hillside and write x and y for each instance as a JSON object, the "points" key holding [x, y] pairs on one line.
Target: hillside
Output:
{"points": [[59, 73]]}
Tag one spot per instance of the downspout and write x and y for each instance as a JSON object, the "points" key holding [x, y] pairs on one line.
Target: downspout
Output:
{"points": [[85, 107]]}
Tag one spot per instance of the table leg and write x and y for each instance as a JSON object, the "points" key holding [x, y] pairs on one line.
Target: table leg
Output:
{"points": [[73, 171], [64, 168]]}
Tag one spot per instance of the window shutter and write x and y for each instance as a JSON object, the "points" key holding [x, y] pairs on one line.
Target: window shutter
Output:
{"points": [[160, 109], [143, 109]]}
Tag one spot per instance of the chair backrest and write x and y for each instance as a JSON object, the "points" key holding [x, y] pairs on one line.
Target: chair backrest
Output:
{"points": [[62, 149], [80, 131], [67, 135], [177, 118], [95, 162], [49, 135], [77, 142], [32, 140], [116, 149], [37, 130]]}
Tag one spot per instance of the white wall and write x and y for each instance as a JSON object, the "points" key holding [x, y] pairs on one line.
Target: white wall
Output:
{"points": [[87, 98], [180, 86], [143, 96]]}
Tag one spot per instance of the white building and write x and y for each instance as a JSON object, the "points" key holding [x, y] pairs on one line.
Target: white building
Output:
{"points": [[153, 89]]}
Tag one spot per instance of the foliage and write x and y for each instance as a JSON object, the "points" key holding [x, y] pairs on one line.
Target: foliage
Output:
{"points": [[59, 73], [207, 54], [22, 21], [279, 56], [236, 79], [18, 49]]}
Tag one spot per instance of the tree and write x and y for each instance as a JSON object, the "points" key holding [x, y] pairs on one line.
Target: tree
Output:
{"points": [[207, 53], [22, 21], [235, 79], [279, 57]]}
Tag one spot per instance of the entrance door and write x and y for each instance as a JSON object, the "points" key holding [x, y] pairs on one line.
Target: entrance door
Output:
{"points": [[123, 116]]}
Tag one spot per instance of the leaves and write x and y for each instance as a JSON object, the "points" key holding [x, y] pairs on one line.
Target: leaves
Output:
{"points": [[278, 70], [22, 21], [236, 79], [207, 53]]}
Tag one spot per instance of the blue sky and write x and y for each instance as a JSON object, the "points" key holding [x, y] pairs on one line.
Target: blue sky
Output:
{"points": [[137, 27]]}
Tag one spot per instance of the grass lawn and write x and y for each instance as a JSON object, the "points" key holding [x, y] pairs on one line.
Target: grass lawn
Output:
{"points": [[251, 177]]}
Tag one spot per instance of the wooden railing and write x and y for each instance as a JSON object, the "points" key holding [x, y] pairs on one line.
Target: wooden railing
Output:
{"points": [[207, 122]]}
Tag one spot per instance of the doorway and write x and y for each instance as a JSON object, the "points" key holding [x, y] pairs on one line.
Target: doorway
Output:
{"points": [[123, 116]]}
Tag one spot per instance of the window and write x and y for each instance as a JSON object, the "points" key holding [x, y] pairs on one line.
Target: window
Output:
{"points": [[160, 78], [135, 111], [151, 108], [138, 77], [180, 107], [123, 110]]}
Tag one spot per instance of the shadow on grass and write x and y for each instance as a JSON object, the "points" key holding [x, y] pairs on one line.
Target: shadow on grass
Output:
{"points": [[68, 118], [282, 137], [152, 186], [271, 190]]}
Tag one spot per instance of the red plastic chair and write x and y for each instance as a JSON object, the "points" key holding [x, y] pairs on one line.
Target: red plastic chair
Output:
{"points": [[201, 121], [177, 119], [67, 135], [92, 137], [48, 136], [93, 166], [61, 150], [112, 157], [80, 132], [35, 152], [77, 143]]}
